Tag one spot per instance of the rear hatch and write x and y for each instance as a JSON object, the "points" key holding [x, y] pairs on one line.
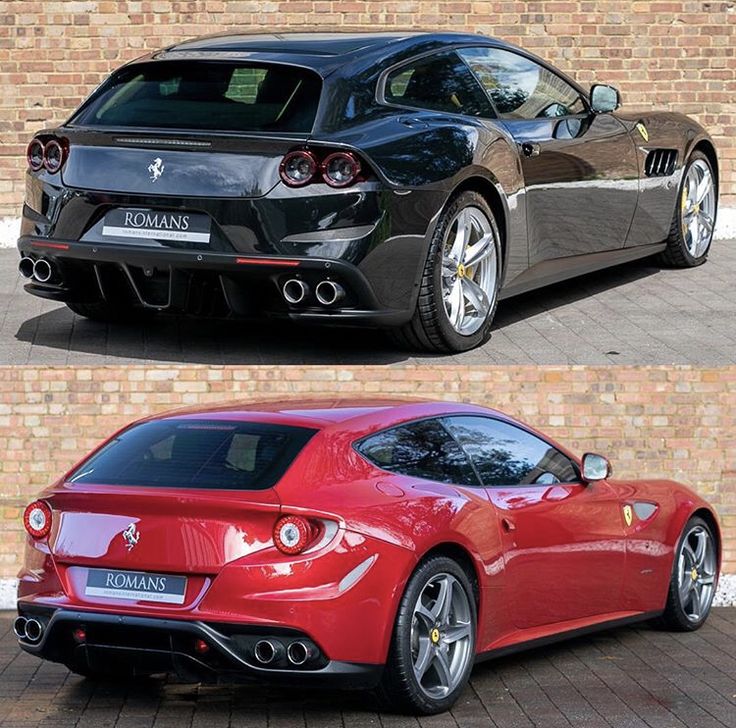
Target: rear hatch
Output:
{"points": [[155, 514], [191, 128]]}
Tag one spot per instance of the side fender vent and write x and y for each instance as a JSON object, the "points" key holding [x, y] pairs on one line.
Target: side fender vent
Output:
{"points": [[660, 162]]}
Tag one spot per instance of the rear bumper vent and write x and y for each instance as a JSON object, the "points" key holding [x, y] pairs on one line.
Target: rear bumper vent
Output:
{"points": [[660, 162]]}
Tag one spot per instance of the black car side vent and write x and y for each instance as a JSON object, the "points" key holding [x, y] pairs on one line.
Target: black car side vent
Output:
{"points": [[660, 162]]}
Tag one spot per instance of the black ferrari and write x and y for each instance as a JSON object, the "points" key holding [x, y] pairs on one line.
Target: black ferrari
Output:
{"points": [[399, 180]]}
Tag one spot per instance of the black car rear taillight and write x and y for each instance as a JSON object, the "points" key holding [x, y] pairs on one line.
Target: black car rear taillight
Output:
{"points": [[335, 168], [49, 155], [340, 169]]}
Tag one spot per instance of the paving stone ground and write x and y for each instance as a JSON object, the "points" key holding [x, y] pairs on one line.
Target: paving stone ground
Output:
{"points": [[637, 313], [633, 677]]}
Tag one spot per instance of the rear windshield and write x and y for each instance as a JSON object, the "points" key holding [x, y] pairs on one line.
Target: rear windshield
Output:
{"points": [[204, 95], [196, 454]]}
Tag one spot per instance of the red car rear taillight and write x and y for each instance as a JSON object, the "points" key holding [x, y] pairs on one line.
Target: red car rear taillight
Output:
{"points": [[37, 519], [292, 534]]}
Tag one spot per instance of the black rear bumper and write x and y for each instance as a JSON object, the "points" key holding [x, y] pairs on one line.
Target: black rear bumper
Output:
{"points": [[204, 283], [125, 645]]}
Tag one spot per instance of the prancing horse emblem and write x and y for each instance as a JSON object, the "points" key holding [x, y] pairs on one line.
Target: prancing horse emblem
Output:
{"points": [[131, 536], [628, 514], [156, 168]]}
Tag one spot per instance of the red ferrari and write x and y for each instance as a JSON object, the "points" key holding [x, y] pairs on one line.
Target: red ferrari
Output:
{"points": [[385, 545]]}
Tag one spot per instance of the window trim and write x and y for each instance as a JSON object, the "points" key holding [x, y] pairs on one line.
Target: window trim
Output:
{"points": [[414, 421], [573, 460]]}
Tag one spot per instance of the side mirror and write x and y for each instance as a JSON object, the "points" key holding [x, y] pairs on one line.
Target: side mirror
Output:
{"points": [[595, 467], [604, 99]]}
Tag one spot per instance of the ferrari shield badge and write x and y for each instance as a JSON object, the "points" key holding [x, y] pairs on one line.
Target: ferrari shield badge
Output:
{"points": [[643, 131], [628, 514]]}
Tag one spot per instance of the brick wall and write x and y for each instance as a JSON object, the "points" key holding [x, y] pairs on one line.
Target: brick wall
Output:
{"points": [[676, 55], [662, 422]]}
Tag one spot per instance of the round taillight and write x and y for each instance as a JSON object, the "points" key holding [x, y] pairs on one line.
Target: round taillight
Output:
{"points": [[37, 519], [53, 156], [340, 169], [34, 154], [298, 168], [292, 534]]}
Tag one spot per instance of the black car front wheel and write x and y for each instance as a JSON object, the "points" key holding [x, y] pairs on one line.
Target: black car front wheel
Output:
{"points": [[433, 647], [460, 282], [694, 220]]}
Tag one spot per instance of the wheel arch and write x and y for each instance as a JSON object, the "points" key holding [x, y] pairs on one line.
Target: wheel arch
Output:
{"points": [[463, 557], [707, 147], [707, 515]]}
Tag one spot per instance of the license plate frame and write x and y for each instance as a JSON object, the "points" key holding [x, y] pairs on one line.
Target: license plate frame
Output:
{"points": [[160, 225], [139, 586]]}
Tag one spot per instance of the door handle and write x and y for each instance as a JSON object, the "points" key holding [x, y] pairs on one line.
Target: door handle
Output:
{"points": [[530, 149], [508, 525]]}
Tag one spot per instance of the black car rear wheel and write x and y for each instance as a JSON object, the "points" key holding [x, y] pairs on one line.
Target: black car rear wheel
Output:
{"points": [[433, 646], [459, 287], [694, 221]]}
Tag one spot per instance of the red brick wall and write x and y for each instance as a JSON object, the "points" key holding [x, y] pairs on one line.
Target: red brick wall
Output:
{"points": [[674, 422], [676, 55]]}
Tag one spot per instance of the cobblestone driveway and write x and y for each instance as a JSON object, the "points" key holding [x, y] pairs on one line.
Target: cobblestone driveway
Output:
{"points": [[634, 314], [624, 678]]}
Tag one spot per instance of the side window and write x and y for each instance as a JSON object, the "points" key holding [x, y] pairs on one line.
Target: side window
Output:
{"points": [[521, 88], [440, 82], [507, 455], [420, 449]]}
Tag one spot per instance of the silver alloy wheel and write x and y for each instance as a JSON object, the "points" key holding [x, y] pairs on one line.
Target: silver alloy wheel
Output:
{"points": [[696, 573], [698, 208], [469, 270], [441, 636]]}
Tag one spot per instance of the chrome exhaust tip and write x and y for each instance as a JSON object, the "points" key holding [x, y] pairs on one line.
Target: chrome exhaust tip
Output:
{"points": [[294, 291], [329, 292], [267, 651], [298, 653], [42, 270], [25, 267], [34, 630], [19, 627]]}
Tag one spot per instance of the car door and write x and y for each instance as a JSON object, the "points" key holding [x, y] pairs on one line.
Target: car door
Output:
{"points": [[580, 169], [564, 542]]}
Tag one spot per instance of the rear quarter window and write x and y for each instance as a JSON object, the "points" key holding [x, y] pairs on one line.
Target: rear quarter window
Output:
{"points": [[196, 454], [204, 95]]}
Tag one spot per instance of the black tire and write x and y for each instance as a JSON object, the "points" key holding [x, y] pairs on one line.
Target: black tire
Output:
{"points": [[674, 616], [399, 690], [676, 254], [106, 314], [430, 329]]}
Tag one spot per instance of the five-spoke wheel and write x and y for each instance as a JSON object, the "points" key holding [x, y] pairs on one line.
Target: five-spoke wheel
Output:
{"points": [[433, 646], [694, 577]]}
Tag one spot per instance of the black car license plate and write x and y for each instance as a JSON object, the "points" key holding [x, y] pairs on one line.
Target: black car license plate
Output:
{"points": [[156, 225], [136, 585]]}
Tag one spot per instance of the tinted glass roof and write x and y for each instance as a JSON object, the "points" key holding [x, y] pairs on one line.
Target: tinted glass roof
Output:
{"points": [[319, 44]]}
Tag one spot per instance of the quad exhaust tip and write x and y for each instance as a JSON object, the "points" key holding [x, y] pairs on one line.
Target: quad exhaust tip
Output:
{"points": [[266, 651], [329, 292], [19, 627], [25, 267], [298, 653], [295, 291], [42, 271]]}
